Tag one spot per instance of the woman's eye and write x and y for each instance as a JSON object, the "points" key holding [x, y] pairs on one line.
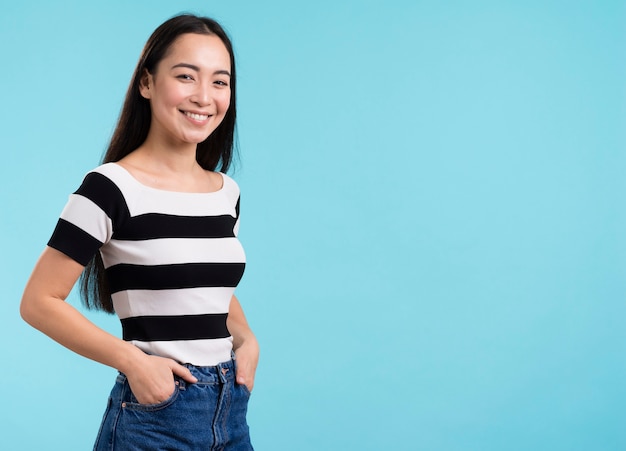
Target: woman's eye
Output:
{"points": [[185, 77], [221, 83]]}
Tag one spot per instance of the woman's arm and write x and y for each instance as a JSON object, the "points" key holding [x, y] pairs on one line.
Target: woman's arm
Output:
{"points": [[245, 344], [43, 306]]}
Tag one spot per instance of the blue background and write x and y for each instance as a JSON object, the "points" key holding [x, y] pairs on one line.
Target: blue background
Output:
{"points": [[432, 210]]}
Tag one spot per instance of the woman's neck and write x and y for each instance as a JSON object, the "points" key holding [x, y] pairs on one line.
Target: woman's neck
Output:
{"points": [[170, 169], [162, 154]]}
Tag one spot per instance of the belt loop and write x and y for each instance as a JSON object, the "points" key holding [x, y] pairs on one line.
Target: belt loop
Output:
{"points": [[180, 382], [221, 372], [226, 371]]}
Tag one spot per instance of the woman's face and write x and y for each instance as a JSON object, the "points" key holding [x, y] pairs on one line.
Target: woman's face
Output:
{"points": [[189, 91]]}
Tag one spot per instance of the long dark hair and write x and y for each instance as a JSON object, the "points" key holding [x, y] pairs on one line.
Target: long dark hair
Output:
{"points": [[215, 152]]}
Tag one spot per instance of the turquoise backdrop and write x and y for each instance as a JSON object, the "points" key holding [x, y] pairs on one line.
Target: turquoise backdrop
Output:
{"points": [[433, 212]]}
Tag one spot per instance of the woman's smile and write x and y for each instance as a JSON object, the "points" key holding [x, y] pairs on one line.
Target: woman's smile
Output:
{"points": [[197, 117]]}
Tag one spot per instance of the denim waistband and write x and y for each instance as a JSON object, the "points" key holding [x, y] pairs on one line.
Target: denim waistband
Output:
{"points": [[221, 373]]}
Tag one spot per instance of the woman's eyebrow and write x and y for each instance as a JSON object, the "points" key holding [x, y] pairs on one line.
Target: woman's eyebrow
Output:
{"points": [[197, 69], [187, 65]]}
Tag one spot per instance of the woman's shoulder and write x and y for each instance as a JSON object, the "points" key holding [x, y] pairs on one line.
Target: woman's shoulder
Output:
{"points": [[108, 180], [229, 185], [111, 171], [226, 179], [103, 174], [118, 175]]}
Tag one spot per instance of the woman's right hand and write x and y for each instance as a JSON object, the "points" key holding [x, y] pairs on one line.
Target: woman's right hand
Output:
{"points": [[43, 306], [151, 378]]}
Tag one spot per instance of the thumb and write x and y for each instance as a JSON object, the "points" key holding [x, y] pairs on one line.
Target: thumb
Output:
{"points": [[243, 376], [240, 375], [183, 372]]}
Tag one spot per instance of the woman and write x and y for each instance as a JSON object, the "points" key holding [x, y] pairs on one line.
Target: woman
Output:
{"points": [[153, 233]]}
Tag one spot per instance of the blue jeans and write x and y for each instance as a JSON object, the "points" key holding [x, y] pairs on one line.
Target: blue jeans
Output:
{"points": [[208, 415]]}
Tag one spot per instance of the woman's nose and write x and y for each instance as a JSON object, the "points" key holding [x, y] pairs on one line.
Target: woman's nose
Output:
{"points": [[202, 95]]}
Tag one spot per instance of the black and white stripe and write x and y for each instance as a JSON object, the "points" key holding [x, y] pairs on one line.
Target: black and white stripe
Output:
{"points": [[172, 259]]}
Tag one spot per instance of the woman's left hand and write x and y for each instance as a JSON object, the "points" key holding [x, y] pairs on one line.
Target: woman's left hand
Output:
{"points": [[247, 357], [245, 344]]}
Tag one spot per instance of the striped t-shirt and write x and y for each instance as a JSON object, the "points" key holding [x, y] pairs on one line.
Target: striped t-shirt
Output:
{"points": [[172, 259]]}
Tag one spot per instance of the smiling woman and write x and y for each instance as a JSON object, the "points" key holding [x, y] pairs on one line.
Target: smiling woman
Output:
{"points": [[153, 231], [189, 92]]}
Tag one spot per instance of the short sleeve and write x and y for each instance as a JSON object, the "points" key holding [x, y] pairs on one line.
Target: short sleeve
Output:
{"points": [[89, 218]]}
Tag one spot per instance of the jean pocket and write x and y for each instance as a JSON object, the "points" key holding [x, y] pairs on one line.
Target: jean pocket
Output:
{"points": [[133, 404], [245, 389]]}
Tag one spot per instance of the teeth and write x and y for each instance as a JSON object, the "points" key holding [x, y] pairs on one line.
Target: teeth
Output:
{"points": [[197, 117]]}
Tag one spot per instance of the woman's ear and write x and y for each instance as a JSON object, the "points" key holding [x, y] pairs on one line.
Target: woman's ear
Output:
{"points": [[145, 84]]}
